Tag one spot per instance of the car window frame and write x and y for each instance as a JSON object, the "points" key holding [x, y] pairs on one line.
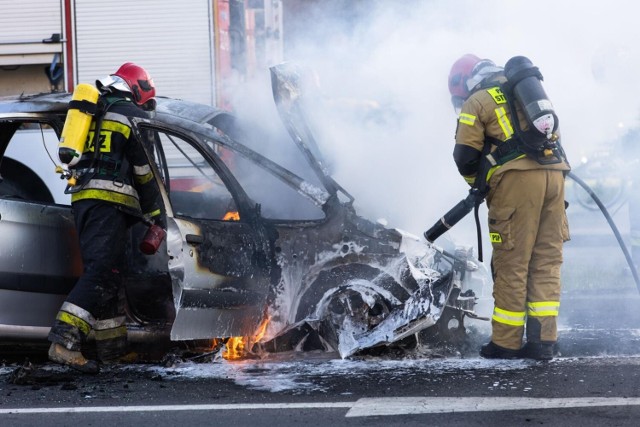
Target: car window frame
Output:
{"points": [[240, 198], [205, 135], [55, 121]]}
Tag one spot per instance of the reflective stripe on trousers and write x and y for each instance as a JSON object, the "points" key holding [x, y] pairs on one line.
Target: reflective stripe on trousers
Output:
{"points": [[111, 338]]}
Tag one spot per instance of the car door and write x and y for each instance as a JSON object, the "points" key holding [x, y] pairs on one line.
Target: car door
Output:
{"points": [[219, 256], [39, 253]]}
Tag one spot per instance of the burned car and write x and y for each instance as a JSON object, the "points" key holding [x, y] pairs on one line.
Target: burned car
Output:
{"points": [[270, 249]]}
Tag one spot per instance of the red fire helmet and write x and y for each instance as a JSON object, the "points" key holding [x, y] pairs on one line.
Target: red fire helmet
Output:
{"points": [[461, 71], [138, 80]]}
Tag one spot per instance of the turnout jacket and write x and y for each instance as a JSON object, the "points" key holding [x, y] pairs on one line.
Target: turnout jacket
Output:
{"points": [[485, 117], [120, 174]]}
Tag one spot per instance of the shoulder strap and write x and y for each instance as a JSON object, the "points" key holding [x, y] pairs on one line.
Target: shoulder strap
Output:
{"points": [[102, 106]]}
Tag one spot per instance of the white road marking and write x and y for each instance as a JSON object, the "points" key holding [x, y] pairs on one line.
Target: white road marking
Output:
{"points": [[367, 407], [156, 408], [442, 405]]}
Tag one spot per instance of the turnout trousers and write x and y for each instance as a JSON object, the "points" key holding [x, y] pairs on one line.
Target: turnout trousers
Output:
{"points": [[94, 304], [527, 227]]}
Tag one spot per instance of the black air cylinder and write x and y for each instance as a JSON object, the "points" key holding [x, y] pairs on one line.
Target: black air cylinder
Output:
{"points": [[525, 80]]}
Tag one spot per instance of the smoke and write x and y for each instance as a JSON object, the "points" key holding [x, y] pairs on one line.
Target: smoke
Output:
{"points": [[387, 125]]}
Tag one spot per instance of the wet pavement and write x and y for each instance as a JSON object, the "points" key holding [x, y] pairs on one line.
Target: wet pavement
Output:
{"points": [[592, 381]]}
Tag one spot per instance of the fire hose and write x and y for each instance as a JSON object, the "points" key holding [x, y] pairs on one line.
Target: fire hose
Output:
{"points": [[455, 214], [625, 251], [475, 198]]}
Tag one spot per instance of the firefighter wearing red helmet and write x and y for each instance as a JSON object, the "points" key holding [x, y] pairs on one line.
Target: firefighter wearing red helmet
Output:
{"points": [[115, 188], [527, 219], [138, 83]]}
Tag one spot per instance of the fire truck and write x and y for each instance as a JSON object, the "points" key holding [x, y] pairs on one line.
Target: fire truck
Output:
{"points": [[191, 48]]}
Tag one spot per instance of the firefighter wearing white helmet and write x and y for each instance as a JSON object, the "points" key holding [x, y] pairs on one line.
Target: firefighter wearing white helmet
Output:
{"points": [[525, 198], [115, 188]]}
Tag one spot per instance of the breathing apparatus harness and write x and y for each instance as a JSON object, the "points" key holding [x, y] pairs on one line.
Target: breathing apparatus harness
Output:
{"points": [[98, 163], [539, 142]]}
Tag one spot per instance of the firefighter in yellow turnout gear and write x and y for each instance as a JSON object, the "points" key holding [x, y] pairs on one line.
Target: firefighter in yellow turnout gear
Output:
{"points": [[115, 186], [527, 218]]}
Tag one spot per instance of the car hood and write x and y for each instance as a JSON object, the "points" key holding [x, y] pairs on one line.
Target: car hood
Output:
{"points": [[287, 85]]}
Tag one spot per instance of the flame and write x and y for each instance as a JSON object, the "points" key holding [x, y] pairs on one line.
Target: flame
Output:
{"points": [[231, 216], [234, 348], [261, 330], [239, 347]]}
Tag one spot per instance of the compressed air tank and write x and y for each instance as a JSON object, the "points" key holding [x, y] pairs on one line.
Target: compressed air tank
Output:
{"points": [[76, 126], [525, 79]]}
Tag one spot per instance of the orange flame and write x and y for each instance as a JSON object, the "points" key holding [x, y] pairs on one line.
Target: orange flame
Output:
{"points": [[239, 347], [261, 330], [231, 216], [234, 348]]}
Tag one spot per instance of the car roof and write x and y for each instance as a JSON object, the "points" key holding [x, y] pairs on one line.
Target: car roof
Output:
{"points": [[37, 103], [58, 103]]}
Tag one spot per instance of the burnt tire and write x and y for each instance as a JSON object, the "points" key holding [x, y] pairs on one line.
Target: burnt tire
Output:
{"points": [[341, 276]]}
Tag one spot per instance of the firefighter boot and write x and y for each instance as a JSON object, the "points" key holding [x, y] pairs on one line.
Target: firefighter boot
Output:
{"points": [[494, 351], [59, 354], [537, 351]]}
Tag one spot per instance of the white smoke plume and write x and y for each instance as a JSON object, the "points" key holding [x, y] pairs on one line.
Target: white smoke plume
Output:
{"points": [[396, 159]]}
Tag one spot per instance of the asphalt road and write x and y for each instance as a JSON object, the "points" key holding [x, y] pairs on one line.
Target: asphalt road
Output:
{"points": [[569, 391], [594, 380]]}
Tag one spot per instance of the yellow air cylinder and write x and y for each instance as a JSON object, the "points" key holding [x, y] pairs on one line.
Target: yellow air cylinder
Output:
{"points": [[77, 123]]}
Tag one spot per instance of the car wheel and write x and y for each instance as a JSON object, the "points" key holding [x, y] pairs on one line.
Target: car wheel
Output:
{"points": [[329, 281], [350, 310], [362, 307]]}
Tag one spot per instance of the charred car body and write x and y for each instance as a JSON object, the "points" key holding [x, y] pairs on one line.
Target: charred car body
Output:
{"points": [[248, 241]]}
